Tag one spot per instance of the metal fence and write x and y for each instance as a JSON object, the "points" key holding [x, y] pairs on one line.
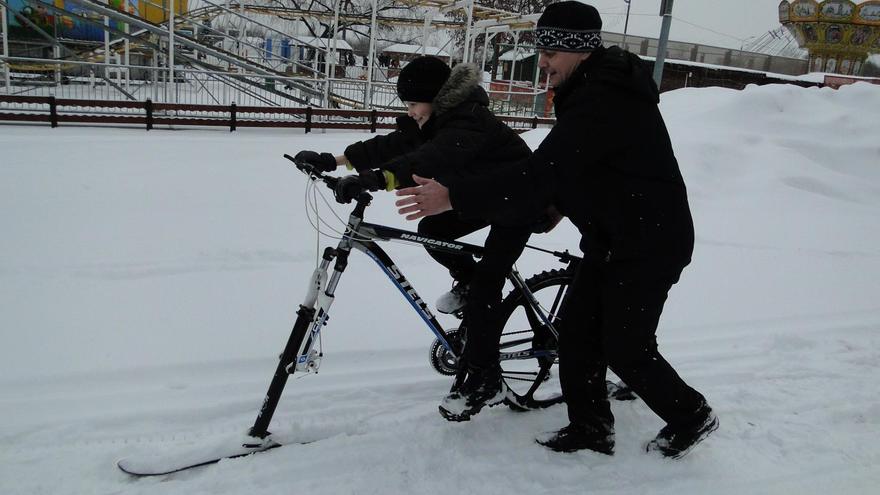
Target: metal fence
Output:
{"points": [[71, 79], [102, 81], [148, 114]]}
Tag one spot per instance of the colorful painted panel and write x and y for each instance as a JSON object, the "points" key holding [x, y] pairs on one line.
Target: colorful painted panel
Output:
{"points": [[804, 10], [831, 65], [784, 11], [837, 9], [860, 35], [869, 12], [34, 13], [62, 26], [809, 33], [833, 34]]}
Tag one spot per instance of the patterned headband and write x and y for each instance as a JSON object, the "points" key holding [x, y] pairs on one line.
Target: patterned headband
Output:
{"points": [[566, 40]]}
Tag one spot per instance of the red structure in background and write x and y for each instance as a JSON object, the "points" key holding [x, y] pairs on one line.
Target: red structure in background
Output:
{"points": [[838, 81]]}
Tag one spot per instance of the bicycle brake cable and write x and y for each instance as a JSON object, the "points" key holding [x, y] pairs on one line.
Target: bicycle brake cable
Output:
{"points": [[317, 231], [312, 184], [339, 235], [312, 207]]}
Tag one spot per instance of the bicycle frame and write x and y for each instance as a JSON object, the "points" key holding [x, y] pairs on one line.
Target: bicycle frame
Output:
{"points": [[300, 353]]}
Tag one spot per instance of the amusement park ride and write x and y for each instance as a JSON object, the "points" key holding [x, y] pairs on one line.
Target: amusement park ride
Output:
{"points": [[266, 52], [250, 39], [839, 34]]}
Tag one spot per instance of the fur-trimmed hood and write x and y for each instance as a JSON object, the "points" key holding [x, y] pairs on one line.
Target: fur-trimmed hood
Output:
{"points": [[465, 139], [462, 85]]}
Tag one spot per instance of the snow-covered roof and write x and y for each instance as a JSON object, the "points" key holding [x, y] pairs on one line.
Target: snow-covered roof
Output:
{"points": [[324, 43], [521, 54], [416, 49]]}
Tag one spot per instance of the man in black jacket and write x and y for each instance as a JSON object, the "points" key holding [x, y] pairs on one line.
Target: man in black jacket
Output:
{"points": [[608, 165]]}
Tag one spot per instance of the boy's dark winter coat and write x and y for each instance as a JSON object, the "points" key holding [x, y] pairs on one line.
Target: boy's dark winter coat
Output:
{"points": [[462, 138], [607, 164]]}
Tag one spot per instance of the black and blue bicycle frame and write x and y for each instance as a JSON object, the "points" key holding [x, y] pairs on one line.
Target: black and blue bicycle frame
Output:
{"points": [[312, 314], [299, 353]]}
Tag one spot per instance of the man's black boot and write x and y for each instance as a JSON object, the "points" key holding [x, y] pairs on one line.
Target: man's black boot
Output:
{"points": [[675, 441], [578, 436]]}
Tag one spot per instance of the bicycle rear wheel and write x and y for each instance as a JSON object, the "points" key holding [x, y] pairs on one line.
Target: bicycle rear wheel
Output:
{"points": [[528, 347]]}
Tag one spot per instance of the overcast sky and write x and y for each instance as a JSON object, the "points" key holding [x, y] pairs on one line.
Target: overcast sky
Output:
{"points": [[719, 22]]}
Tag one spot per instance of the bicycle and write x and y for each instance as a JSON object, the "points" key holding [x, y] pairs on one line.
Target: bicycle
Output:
{"points": [[528, 344], [528, 351]]}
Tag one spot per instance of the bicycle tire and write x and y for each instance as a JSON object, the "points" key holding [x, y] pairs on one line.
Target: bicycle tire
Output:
{"points": [[531, 382]]}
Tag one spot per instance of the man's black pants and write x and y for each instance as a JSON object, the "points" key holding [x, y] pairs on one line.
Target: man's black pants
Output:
{"points": [[609, 319], [486, 278]]}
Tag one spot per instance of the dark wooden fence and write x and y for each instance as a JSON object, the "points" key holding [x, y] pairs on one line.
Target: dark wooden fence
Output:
{"points": [[148, 114]]}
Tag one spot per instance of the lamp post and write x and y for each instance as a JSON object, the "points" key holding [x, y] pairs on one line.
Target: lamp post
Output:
{"points": [[626, 22], [5, 26], [666, 13]]}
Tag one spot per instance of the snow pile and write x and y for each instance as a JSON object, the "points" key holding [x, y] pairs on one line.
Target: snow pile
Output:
{"points": [[148, 280]]}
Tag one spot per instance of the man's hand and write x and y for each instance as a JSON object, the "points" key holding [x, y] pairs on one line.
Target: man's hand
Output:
{"points": [[429, 197]]}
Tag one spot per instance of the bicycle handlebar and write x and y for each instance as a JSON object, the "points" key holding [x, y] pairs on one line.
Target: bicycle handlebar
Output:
{"points": [[313, 173], [361, 195]]}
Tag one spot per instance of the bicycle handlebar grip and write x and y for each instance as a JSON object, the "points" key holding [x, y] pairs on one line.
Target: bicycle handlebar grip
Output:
{"points": [[309, 169], [304, 167]]}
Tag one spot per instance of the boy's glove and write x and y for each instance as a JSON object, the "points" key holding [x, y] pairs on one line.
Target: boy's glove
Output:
{"points": [[325, 162], [350, 187], [373, 180], [347, 189]]}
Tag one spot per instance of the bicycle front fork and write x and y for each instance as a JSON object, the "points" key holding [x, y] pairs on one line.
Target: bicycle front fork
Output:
{"points": [[300, 353]]}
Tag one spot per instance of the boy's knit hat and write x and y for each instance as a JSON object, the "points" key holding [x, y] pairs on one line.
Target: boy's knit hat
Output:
{"points": [[421, 79]]}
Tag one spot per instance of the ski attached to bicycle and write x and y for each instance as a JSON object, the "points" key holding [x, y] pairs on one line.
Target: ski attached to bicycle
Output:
{"points": [[527, 347]]}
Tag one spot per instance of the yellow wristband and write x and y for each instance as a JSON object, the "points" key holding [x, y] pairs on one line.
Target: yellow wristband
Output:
{"points": [[390, 181]]}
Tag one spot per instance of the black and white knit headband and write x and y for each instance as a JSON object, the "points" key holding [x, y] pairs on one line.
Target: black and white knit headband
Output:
{"points": [[567, 40]]}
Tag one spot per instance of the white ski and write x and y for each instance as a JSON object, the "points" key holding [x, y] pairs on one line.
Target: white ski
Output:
{"points": [[174, 459]]}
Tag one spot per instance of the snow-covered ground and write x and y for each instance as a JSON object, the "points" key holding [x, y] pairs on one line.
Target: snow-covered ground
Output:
{"points": [[148, 281]]}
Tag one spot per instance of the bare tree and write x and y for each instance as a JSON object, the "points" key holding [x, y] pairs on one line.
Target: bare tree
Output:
{"points": [[498, 44], [354, 21]]}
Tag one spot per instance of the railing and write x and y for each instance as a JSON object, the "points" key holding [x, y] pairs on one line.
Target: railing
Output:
{"points": [[148, 114], [72, 79], [114, 81]]}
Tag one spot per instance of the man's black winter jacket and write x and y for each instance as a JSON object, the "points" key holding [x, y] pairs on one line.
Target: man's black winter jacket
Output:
{"points": [[607, 164]]}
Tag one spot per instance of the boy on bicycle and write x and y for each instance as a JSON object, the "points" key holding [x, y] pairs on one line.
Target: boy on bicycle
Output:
{"points": [[450, 135]]}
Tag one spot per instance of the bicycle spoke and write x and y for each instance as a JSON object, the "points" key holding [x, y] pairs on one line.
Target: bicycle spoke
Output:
{"points": [[522, 379], [528, 342], [534, 321], [556, 301], [533, 373], [539, 379], [516, 332]]}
